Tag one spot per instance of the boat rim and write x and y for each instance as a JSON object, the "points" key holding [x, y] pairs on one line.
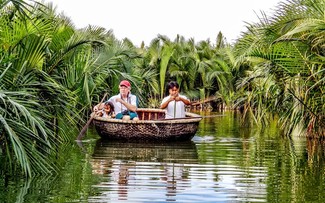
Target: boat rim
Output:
{"points": [[191, 117]]}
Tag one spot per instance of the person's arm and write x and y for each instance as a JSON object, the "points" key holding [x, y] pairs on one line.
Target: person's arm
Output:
{"points": [[129, 106], [164, 104], [183, 99], [101, 105], [98, 107]]}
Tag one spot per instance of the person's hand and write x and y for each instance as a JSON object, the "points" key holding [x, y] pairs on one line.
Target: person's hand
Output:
{"points": [[95, 108], [174, 97], [177, 98], [99, 113], [118, 100]]}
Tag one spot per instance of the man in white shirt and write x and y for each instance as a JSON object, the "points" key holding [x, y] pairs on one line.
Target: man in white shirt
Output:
{"points": [[125, 103], [174, 104]]}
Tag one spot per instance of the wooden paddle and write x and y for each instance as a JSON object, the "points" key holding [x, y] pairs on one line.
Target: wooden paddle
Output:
{"points": [[82, 132]]}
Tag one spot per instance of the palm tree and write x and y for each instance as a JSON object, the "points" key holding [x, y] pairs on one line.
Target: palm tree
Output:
{"points": [[24, 121], [288, 49], [48, 70]]}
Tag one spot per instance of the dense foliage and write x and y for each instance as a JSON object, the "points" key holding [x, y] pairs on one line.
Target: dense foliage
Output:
{"points": [[52, 73]]}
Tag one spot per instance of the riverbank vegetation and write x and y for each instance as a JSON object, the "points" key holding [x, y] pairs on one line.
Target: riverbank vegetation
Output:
{"points": [[51, 73]]}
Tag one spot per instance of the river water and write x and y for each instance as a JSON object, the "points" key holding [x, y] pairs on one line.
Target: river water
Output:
{"points": [[225, 162]]}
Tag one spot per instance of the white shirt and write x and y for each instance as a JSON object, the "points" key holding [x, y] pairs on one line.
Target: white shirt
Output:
{"points": [[119, 107], [180, 108]]}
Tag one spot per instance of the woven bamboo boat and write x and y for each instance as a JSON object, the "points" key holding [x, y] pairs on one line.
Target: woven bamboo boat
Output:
{"points": [[151, 126]]}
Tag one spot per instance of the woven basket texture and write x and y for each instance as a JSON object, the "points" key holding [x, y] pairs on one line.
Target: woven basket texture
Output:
{"points": [[151, 126]]}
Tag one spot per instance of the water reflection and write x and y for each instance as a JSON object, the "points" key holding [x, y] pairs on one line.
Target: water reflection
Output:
{"points": [[173, 172], [225, 162], [181, 152], [131, 170], [315, 151]]}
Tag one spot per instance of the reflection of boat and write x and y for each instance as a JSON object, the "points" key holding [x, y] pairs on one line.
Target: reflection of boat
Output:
{"points": [[151, 126], [173, 152], [132, 170]]}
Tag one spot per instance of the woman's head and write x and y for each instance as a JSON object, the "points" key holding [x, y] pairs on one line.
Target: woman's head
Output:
{"points": [[173, 88]]}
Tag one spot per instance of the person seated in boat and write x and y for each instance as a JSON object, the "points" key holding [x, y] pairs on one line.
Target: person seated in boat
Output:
{"points": [[107, 111], [125, 103], [174, 103]]}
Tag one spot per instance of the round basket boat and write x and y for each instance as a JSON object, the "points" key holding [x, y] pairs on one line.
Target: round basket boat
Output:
{"points": [[151, 126]]}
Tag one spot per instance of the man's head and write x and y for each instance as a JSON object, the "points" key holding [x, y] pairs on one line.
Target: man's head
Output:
{"points": [[173, 88], [125, 83], [125, 87]]}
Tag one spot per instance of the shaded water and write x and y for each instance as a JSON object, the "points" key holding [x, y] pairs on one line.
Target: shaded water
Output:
{"points": [[225, 162]]}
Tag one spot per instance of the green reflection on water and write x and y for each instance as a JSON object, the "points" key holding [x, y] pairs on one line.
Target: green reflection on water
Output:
{"points": [[260, 162]]}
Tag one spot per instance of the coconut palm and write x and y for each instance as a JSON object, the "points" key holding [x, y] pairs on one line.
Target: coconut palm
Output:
{"points": [[288, 48], [25, 123], [40, 86], [161, 50]]}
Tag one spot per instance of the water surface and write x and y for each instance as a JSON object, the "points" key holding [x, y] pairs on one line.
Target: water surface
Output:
{"points": [[225, 162]]}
